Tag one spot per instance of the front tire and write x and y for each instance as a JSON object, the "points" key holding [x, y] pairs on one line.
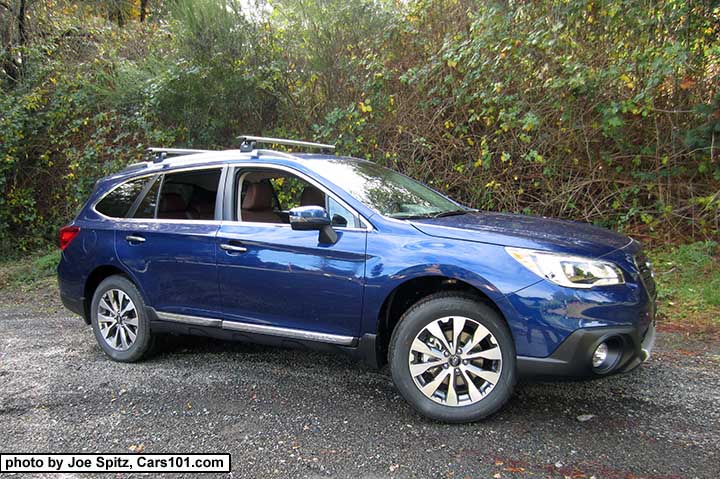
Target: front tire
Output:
{"points": [[452, 358], [119, 320]]}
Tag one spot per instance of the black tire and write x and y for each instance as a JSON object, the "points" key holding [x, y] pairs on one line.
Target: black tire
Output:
{"points": [[143, 340], [424, 312]]}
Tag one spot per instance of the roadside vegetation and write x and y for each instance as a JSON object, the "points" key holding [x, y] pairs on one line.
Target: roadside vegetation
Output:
{"points": [[30, 272], [688, 281], [607, 112]]}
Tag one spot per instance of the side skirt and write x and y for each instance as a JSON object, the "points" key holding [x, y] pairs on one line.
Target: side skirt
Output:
{"points": [[362, 349]]}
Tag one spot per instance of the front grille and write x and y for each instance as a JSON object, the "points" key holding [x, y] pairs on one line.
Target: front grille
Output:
{"points": [[646, 274]]}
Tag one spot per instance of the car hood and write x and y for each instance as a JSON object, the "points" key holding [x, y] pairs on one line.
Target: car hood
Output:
{"points": [[525, 231]]}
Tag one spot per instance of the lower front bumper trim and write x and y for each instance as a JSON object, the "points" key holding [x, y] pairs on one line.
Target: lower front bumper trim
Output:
{"points": [[573, 357]]}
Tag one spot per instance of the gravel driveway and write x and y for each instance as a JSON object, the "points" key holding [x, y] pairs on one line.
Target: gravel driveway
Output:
{"points": [[286, 413]]}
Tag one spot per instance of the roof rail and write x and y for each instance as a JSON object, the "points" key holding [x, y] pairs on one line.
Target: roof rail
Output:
{"points": [[159, 154], [134, 166], [283, 154], [248, 143]]}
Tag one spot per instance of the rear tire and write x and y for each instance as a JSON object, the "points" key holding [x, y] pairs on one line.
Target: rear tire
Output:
{"points": [[433, 372], [119, 320]]}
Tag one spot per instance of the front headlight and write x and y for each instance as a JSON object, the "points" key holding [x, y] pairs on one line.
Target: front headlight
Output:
{"points": [[569, 271]]}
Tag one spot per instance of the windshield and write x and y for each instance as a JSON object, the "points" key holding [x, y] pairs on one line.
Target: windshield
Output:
{"points": [[386, 191]]}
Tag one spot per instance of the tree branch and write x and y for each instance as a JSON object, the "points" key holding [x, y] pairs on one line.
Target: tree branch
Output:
{"points": [[5, 5]]}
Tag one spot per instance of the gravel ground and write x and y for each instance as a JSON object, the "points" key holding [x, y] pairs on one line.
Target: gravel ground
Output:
{"points": [[287, 413]]}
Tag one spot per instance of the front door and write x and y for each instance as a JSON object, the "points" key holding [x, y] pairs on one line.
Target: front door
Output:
{"points": [[282, 280]]}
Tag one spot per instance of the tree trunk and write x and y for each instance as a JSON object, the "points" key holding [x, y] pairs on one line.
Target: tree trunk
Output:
{"points": [[13, 62], [143, 10], [22, 34]]}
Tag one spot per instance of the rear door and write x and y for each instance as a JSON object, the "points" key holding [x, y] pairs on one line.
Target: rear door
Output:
{"points": [[283, 282], [168, 242]]}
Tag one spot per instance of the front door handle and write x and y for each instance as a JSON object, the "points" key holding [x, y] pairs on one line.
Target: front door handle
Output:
{"points": [[134, 239], [233, 248]]}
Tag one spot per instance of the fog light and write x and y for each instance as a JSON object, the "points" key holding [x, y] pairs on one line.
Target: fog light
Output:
{"points": [[600, 355]]}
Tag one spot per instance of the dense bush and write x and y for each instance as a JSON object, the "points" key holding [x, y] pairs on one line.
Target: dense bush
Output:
{"points": [[603, 111]]}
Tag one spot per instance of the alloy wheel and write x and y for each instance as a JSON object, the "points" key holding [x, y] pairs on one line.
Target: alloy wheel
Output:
{"points": [[117, 319], [455, 361]]}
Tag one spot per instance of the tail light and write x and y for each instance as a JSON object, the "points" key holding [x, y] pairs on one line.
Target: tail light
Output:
{"points": [[67, 234]]}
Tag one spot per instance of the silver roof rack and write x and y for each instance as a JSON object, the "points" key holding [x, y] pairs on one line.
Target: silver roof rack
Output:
{"points": [[248, 143], [159, 154]]}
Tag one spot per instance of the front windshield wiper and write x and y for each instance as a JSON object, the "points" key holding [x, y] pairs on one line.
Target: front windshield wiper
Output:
{"points": [[412, 217], [452, 213], [438, 214]]}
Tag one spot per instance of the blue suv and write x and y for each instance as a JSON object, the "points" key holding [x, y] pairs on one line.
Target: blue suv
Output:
{"points": [[341, 254]]}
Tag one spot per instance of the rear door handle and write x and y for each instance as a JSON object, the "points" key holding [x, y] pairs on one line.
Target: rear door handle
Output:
{"points": [[233, 248], [134, 239]]}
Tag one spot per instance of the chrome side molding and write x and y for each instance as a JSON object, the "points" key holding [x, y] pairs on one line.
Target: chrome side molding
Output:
{"points": [[182, 318], [299, 334], [289, 333]]}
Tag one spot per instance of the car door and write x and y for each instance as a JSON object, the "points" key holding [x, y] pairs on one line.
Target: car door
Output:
{"points": [[280, 281], [168, 243]]}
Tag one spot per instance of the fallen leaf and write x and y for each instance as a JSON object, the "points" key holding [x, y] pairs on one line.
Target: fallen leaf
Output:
{"points": [[139, 448]]}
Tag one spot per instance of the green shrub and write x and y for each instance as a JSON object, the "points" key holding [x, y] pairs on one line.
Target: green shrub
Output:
{"points": [[29, 271], [597, 111], [689, 274]]}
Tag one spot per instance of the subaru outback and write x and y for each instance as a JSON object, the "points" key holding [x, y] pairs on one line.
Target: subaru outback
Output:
{"points": [[341, 254]]}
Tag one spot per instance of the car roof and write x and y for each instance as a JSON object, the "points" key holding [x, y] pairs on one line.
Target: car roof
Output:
{"points": [[209, 158]]}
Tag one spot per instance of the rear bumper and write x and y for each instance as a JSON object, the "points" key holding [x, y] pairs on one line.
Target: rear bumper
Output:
{"points": [[76, 305], [573, 357], [71, 286]]}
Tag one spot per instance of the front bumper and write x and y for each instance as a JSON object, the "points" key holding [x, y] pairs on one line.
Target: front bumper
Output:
{"points": [[573, 358]]}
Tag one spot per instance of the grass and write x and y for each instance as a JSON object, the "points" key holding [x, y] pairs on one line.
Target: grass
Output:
{"points": [[688, 280], [28, 272]]}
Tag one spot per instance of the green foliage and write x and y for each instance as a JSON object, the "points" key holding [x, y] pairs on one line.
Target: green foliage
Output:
{"points": [[607, 112], [689, 274], [289, 191], [28, 271]]}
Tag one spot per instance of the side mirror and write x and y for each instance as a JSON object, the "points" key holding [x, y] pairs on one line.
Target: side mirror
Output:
{"points": [[307, 218]]}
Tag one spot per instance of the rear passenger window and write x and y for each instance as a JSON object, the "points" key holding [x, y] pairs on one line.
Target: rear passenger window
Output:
{"points": [[189, 195], [118, 202]]}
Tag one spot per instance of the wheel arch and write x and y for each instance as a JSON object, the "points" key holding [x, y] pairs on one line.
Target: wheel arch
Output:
{"points": [[404, 295], [96, 277]]}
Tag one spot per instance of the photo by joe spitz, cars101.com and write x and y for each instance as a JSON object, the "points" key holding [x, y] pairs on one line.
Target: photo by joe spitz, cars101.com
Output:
{"points": [[340, 254]]}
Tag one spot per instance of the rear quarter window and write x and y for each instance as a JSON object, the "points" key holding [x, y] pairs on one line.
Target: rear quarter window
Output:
{"points": [[118, 202]]}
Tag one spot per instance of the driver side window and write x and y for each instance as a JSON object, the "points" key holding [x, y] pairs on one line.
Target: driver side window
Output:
{"points": [[267, 196]]}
